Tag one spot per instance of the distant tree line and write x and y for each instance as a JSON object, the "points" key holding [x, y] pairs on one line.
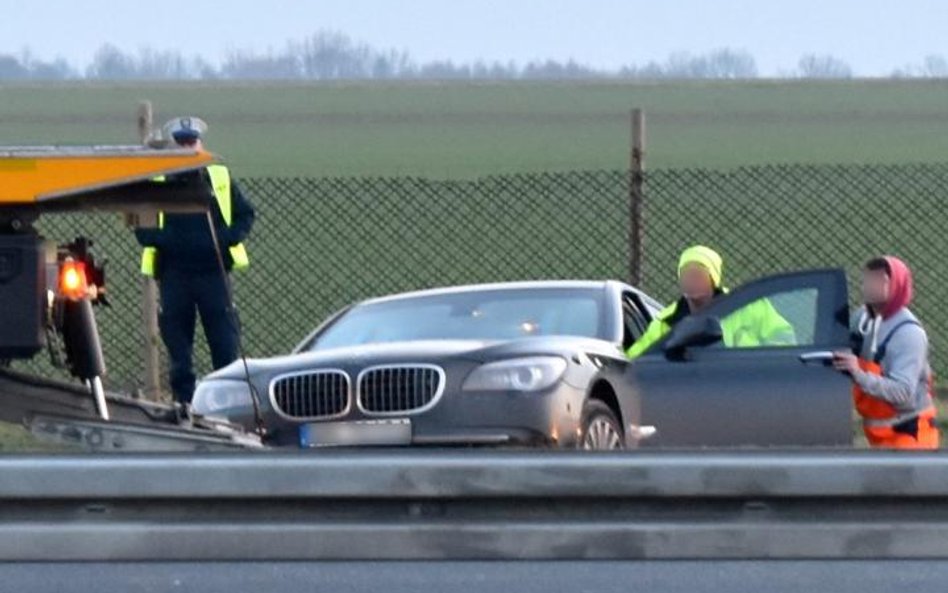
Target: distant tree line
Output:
{"points": [[330, 55], [26, 67]]}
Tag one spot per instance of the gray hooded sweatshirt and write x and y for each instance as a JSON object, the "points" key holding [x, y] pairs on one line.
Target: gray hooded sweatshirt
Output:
{"points": [[904, 359]]}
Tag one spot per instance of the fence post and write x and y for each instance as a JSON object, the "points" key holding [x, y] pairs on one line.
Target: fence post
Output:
{"points": [[151, 356], [636, 196]]}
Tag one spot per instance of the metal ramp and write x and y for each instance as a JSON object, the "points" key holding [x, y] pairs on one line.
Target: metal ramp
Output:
{"points": [[64, 414]]}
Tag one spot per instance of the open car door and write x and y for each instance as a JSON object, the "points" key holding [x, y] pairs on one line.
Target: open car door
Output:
{"points": [[732, 375]]}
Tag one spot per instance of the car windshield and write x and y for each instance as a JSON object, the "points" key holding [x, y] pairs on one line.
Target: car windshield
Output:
{"points": [[471, 315]]}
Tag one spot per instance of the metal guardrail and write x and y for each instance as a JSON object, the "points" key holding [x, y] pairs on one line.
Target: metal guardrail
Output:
{"points": [[425, 504]]}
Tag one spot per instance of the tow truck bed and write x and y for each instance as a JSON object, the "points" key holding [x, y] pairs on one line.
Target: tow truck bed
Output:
{"points": [[63, 413]]}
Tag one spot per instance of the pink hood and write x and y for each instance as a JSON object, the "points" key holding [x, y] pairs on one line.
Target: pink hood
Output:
{"points": [[900, 287]]}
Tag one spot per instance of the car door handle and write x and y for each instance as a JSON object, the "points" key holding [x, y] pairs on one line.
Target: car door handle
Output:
{"points": [[824, 357], [640, 433]]}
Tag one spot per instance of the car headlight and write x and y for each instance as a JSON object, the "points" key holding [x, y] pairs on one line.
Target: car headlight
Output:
{"points": [[519, 374], [214, 396]]}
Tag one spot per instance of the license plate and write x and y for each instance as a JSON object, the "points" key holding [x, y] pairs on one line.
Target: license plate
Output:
{"points": [[364, 433]]}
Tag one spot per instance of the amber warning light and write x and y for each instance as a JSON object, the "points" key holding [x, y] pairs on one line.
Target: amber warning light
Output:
{"points": [[73, 283]]}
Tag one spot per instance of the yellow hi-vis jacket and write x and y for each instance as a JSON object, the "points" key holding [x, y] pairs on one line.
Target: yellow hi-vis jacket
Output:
{"points": [[220, 181], [755, 324]]}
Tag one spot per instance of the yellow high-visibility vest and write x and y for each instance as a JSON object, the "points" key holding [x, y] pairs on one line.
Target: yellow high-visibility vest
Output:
{"points": [[220, 180], [753, 325]]}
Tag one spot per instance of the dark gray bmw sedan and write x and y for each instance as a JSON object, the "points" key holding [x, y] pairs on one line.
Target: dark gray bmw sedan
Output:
{"points": [[489, 364], [543, 363]]}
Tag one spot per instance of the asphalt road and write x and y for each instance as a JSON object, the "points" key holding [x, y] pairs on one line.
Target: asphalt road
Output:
{"points": [[491, 577]]}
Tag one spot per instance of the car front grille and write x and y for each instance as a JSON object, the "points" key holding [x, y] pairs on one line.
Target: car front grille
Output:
{"points": [[311, 394], [400, 389]]}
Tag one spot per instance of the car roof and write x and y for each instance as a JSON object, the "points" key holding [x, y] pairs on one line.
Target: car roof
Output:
{"points": [[523, 285]]}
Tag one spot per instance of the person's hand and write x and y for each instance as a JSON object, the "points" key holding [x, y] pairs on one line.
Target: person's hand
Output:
{"points": [[845, 362]]}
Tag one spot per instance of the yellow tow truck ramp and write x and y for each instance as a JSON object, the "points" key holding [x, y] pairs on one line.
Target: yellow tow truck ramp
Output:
{"points": [[104, 177]]}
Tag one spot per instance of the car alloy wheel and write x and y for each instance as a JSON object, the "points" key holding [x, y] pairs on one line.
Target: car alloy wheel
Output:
{"points": [[601, 430]]}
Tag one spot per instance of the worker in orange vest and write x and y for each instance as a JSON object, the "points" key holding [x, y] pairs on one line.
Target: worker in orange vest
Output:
{"points": [[892, 378]]}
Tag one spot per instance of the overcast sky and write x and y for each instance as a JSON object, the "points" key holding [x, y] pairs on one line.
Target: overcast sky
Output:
{"points": [[873, 36]]}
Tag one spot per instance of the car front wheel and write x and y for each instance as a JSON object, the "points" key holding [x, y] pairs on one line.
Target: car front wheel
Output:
{"points": [[601, 430]]}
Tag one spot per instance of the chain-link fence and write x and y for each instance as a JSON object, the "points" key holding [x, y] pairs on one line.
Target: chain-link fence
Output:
{"points": [[320, 243]]}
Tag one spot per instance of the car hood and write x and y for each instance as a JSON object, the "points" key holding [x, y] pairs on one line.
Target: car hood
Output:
{"points": [[417, 351]]}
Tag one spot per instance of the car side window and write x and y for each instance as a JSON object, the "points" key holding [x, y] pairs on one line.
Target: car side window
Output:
{"points": [[783, 319], [634, 321]]}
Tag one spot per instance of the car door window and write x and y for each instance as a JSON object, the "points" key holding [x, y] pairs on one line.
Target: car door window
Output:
{"points": [[803, 309], [634, 321], [783, 319]]}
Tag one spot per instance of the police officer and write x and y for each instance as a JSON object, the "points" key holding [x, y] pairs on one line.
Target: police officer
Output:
{"points": [[180, 253]]}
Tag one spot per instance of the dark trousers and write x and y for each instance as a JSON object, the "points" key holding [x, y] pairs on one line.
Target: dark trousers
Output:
{"points": [[183, 296]]}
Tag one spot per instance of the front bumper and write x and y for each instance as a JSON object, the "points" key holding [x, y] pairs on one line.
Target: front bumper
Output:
{"points": [[460, 418]]}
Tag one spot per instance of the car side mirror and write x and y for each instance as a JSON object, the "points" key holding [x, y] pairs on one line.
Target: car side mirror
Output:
{"points": [[693, 331]]}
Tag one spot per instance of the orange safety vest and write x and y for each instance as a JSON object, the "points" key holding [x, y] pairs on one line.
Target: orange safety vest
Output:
{"points": [[883, 425]]}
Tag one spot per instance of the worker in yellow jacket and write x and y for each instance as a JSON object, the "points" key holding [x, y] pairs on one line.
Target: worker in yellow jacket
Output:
{"points": [[700, 275]]}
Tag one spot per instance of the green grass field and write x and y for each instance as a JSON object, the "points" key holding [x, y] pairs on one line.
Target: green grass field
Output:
{"points": [[466, 130]]}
